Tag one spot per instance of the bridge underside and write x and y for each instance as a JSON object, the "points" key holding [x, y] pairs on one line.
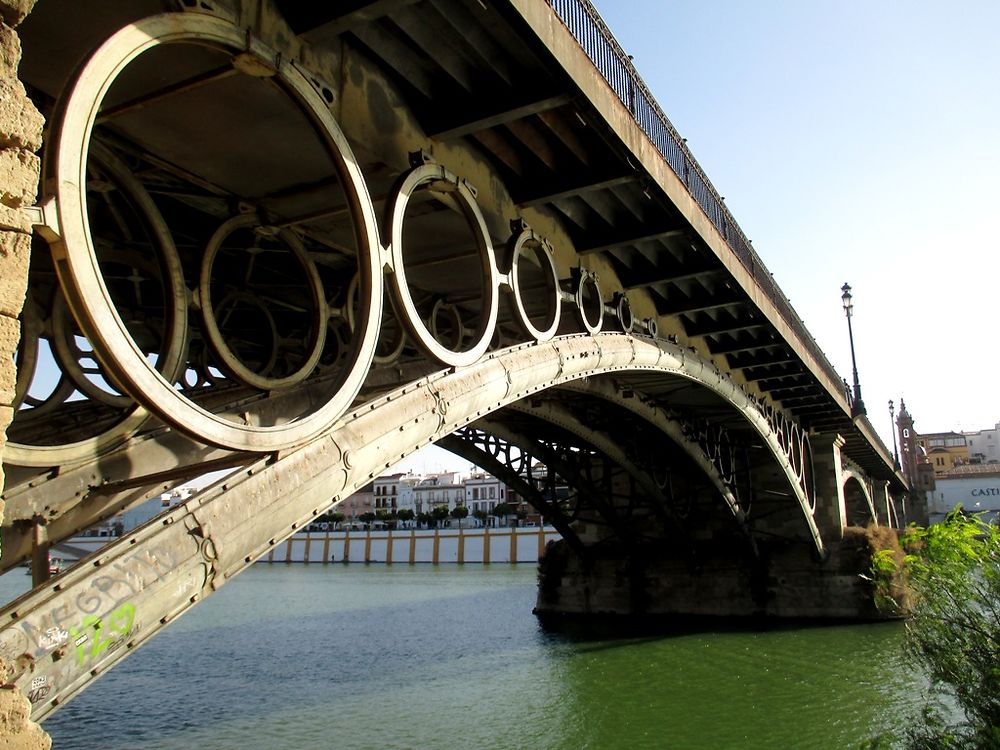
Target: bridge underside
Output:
{"points": [[301, 243]]}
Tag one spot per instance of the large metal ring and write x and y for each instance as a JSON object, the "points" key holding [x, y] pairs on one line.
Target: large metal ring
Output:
{"points": [[169, 360], [80, 274], [555, 307], [422, 175]]}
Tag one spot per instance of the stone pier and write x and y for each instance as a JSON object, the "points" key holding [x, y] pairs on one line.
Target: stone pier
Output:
{"points": [[20, 139], [783, 580]]}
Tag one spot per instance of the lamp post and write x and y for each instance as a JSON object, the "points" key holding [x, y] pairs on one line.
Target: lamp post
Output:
{"points": [[858, 407], [895, 451]]}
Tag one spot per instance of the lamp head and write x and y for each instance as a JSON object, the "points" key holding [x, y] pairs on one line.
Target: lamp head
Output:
{"points": [[846, 298]]}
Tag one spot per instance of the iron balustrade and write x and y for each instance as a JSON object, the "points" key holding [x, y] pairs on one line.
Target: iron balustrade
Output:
{"points": [[600, 45]]}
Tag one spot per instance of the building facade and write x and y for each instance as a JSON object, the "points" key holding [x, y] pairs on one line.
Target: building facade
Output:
{"points": [[984, 446], [444, 489], [478, 491], [356, 505], [976, 487], [944, 450], [484, 492]]}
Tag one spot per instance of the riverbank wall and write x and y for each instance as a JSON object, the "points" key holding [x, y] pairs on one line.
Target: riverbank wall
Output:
{"points": [[411, 546], [401, 546]]}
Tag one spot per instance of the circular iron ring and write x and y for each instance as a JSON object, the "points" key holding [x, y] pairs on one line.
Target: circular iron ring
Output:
{"points": [[519, 248], [213, 334], [77, 264], [411, 317]]}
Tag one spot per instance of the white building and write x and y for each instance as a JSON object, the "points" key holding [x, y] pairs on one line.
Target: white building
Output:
{"points": [[444, 488], [386, 490], [484, 492], [976, 487], [984, 446]]}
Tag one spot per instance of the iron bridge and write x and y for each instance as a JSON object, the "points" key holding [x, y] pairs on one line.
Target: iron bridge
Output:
{"points": [[300, 241]]}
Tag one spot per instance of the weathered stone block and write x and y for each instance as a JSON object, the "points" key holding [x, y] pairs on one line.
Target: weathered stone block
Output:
{"points": [[14, 11], [14, 712], [10, 335], [18, 177], [17, 731], [15, 253], [6, 415], [20, 122], [14, 220], [10, 50]]}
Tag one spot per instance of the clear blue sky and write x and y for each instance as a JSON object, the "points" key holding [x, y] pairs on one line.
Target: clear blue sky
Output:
{"points": [[855, 142]]}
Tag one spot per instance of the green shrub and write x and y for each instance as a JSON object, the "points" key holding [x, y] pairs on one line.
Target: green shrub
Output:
{"points": [[952, 572]]}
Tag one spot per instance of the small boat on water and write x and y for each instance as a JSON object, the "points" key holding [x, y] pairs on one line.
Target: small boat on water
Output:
{"points": [[55, 566]]}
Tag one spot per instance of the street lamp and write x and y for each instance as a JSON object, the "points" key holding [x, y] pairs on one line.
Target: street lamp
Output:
{"points": [[858, 407], [895, 451]]}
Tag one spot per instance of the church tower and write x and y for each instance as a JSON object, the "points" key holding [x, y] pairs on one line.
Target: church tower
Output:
{"points": [[909, 451]]}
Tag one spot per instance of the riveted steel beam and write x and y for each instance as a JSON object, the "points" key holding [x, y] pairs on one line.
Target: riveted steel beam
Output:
{"points": [[612, 244], [500, 116], [578, 188]]}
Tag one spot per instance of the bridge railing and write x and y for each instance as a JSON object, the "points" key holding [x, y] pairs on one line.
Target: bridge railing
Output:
{"points": [[594, 37]]}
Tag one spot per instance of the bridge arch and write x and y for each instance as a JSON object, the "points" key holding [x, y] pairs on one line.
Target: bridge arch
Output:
{"points": [[859, 504]]}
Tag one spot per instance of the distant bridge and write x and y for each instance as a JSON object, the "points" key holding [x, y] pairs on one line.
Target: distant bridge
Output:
{"points": [[303, 240]]}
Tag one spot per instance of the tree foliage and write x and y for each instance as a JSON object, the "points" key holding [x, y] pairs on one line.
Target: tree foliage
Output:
{"points": [[952, 570], [501, 510], [439, 513]]}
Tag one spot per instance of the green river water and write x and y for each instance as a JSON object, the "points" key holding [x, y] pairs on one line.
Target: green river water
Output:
{"points": [[333, 656]]}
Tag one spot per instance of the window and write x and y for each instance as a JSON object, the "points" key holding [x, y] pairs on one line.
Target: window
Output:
{"points": [[493, 492]]}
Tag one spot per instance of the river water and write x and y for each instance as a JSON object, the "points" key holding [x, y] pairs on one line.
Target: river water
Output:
{"points": [[353, 657]]}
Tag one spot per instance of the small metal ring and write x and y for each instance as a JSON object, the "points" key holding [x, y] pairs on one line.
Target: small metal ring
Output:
{"points": [[447, 310], [217, 341], [517, 250], [417, 177], [624, 312], [588, 277]]}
